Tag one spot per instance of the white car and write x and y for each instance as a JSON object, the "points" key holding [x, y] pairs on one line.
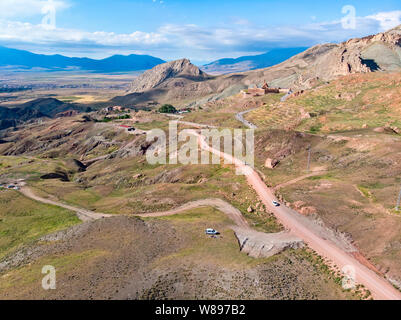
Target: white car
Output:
{"points": [[212, 232], [275, 203]]}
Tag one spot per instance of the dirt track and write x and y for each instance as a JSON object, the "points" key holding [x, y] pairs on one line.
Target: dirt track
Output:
{"points": [[293, 181], [84, 215], [232, 212], [379, 287], [240, 117]]}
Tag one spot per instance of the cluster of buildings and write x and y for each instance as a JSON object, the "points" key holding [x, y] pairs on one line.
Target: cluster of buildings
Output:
{"points": [[115, 109], [256, 91]]}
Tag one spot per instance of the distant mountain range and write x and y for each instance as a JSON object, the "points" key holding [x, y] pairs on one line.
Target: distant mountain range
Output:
{"points": [[246, 63], [13, 58]]}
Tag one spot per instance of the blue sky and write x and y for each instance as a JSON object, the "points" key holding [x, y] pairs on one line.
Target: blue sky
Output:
{"points": [[200, 30]]}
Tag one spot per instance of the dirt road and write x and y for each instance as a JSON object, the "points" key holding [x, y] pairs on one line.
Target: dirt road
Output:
{"points": [[379, 287], [84, 215], [232, 212], [240, 117]]}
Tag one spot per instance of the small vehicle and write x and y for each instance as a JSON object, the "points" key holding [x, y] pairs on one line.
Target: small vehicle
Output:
{"points": [[275, 203], [212, 232]]}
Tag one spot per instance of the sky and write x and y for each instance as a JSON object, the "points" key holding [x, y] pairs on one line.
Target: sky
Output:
{"points": [[201, 30]]}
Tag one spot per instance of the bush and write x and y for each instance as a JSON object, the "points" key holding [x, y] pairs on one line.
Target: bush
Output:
{"points": [[167, 108]]}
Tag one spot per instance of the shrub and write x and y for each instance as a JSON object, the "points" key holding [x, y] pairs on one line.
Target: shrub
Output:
{"points": [[167, 108]]}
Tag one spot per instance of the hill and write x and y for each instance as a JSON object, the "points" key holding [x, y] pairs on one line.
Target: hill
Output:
{"points": [[381, 52], [246, 63], [168, 72], [39, 108], [13, 58], [315, 66]]}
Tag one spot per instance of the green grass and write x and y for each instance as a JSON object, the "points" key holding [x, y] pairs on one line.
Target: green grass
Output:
{"points": [[30, 276], [23, 220], [365, 191], [328, 176], [367, 106]]}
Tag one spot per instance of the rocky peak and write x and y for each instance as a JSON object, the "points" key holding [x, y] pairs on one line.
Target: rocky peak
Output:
{"points": [[155, 77]]}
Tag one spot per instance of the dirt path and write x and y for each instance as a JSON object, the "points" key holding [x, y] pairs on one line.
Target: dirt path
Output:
{"points": [[84, 215], [221, 205], [292, 220], [293, 181], [240, 117], [379, 207]]}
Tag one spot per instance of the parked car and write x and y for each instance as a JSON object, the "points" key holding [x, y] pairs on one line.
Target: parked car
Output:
{"points": [[275, 203], [212, 232]]}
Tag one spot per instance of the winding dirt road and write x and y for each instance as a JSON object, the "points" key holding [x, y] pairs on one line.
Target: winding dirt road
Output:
{"points": [[291, 220], [240, 117], [83, 214], [294, 222]]}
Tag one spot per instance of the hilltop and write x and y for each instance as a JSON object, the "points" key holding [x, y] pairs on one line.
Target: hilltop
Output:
{"points": [[163, 74]]}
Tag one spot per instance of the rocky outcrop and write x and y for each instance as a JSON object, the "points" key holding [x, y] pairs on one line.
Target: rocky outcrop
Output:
{"points": [[155, 77], [271, 163], [391, 130], [264, 245], [303, 208]]}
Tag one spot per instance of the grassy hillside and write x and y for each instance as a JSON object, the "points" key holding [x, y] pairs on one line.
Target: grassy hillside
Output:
{"points": [[349, 103], [24, 220], [168, 258]]}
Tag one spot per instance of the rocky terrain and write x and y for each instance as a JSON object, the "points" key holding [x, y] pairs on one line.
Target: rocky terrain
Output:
{"points": [[180, 81], [36, 109], [345, 119], [166, 73], [127, 258]]}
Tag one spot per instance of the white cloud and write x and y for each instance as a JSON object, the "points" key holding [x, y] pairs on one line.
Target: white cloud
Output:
{"points": [[387, 20], [173, 40], [20, 32], [28, 8]]}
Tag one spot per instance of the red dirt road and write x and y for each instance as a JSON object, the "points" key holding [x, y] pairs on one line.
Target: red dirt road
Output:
{"points": [[380, 288]]}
